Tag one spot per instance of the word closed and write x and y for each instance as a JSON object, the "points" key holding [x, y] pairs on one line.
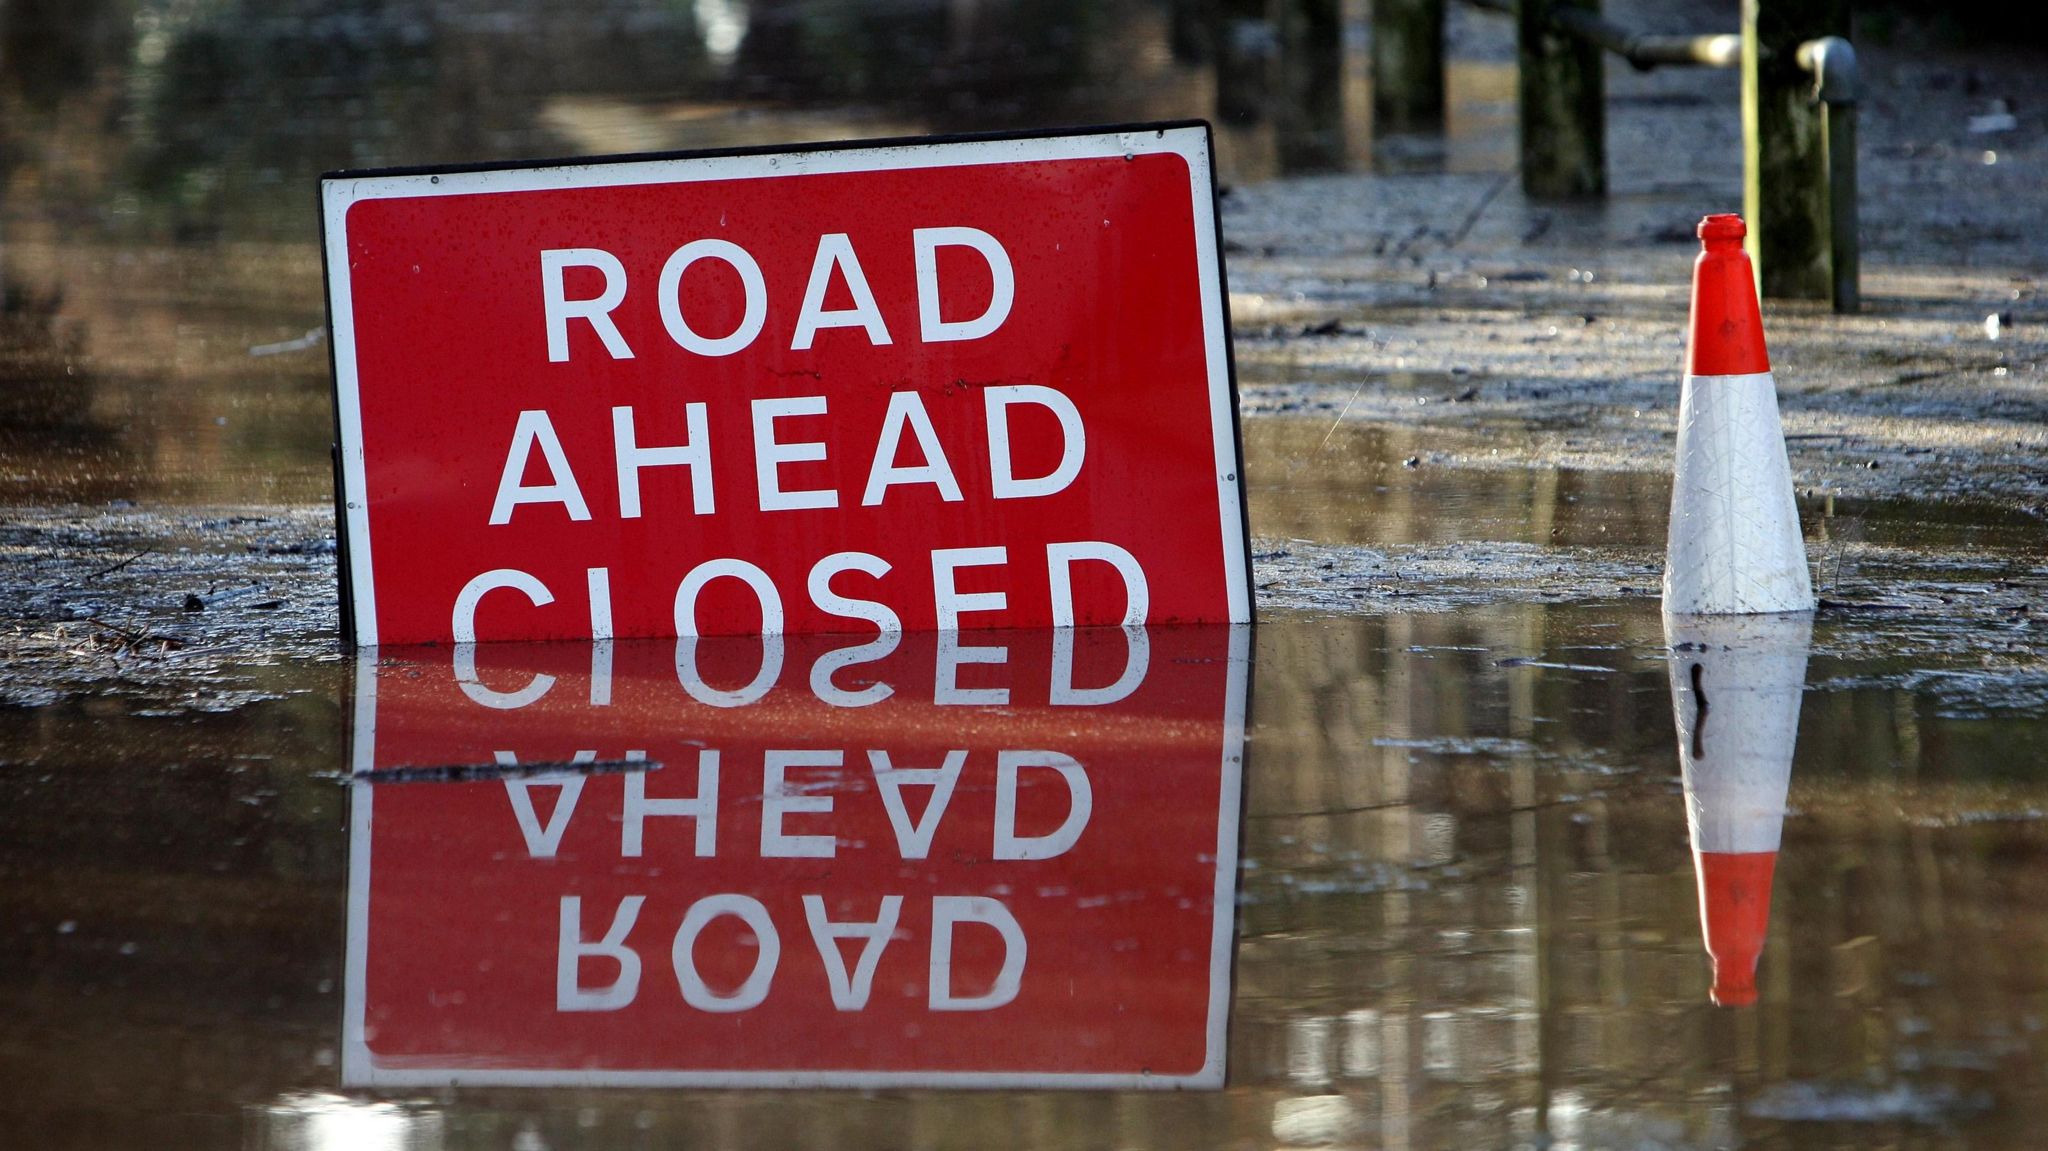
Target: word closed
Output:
{"points": [[975, 384]]}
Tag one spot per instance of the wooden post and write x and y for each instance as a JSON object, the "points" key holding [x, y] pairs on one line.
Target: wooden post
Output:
{"points": [[1563, 99], [1308, 89], [1784, 147], [1407, 65]]}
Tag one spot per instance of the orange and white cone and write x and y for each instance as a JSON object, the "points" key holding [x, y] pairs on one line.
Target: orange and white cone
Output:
{"points": [[1735, 686], [1734, 546]]}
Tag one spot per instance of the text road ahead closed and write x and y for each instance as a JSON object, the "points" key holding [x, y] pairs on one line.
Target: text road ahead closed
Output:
{"points": [[968, 384]]}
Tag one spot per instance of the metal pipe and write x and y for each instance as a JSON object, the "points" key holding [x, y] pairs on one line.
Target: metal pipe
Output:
{"points": [[1832, 61], [1845, 249], [1716, 50], [1641, 50], [1647, 51]]}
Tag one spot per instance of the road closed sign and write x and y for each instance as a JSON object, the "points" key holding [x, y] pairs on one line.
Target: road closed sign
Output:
{"points": [[909, 386]]}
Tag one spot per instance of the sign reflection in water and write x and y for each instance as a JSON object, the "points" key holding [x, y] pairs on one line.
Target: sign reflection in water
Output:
{"points": [[945, 859], [1735, 687]]}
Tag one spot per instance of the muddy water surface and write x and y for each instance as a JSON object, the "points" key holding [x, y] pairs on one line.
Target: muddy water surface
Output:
{"points": [[1412, 866], [1465, 913]]}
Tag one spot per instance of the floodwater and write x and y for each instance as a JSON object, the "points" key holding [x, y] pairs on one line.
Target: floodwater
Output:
{"points": [[1459, 848], [1465, 912]]}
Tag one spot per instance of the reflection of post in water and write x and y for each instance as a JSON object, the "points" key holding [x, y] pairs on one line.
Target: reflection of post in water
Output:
{"points": [[41, 387], [1279, 62], [1407, 65], [58, 48], [1244, 46], [51, 440], [1735, 689], [1308, 89]]}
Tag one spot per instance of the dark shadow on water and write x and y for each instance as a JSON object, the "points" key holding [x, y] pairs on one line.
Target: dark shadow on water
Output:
{"points": [[52, 441]]}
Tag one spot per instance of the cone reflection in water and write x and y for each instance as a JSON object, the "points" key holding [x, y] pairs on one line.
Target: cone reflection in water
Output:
{"points": [[1734, 545], [1735, 686]]}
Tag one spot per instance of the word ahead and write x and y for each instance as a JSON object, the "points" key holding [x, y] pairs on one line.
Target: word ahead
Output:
{"points": [[902, 387]]}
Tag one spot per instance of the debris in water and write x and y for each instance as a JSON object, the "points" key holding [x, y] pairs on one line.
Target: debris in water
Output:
{"points": [[467, 772], [1810, 1102], [195, 602], [312, 339], [1998, 119]]}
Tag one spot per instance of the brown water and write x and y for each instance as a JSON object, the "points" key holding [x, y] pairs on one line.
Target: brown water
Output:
{"points": [[1446, 898], [1465, 913]]}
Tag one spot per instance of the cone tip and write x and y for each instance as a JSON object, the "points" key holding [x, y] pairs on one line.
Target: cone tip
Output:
{"points": [[1735, 915], [1727, 329], [1724, 227], [1735, 989]]}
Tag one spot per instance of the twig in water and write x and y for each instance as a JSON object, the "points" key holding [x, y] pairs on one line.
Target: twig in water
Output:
{"points": [[470, 772], [110, 570], [131, 639], [1478, 210], [1340, 415]]}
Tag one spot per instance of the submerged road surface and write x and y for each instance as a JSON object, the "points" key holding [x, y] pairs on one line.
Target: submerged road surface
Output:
{"points": [[1410, 866]]}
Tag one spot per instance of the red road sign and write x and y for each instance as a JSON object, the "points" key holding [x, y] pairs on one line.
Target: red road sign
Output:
{"points": [[977, 383], [839, 874]]}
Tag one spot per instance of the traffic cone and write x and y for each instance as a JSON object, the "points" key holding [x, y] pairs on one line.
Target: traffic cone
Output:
{"points": [[1735, 686], [1734, 546]]}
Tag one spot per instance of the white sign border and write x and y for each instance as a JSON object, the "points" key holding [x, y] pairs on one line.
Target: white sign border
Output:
{"points": [[1188, 140]]}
